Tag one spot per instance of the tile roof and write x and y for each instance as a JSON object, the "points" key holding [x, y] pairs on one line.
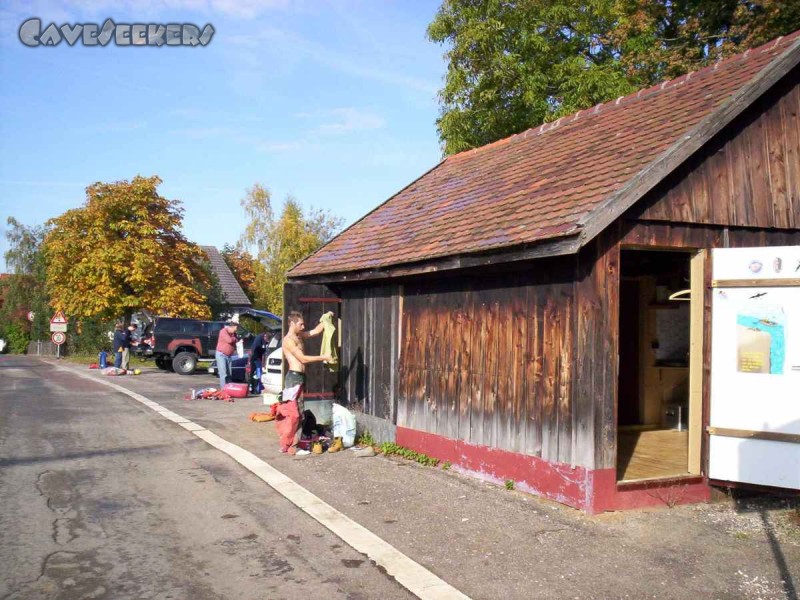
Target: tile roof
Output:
{"points": [[234, 294], [544, 183]]}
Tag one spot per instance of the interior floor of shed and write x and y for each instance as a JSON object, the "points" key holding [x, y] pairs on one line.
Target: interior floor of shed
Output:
{"points": [[652, 454]]}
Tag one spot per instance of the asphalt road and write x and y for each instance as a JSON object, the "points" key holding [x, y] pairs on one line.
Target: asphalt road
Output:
{"points": [[102, 498]]}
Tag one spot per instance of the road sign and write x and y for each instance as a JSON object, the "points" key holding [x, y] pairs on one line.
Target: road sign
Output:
{"points": [[31, 316], [58, 322], [58, 338]]}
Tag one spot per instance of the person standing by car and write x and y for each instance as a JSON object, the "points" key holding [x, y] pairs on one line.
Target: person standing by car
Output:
{"points": [[257, 351], [119, 344], [226, 346], [126, 347]]}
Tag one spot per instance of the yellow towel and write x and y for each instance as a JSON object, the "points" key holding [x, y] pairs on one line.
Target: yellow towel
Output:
{"points": [[328, 345]]}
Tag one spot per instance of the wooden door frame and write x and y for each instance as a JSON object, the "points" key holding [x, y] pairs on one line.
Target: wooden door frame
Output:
{"points": [[697, 300]]}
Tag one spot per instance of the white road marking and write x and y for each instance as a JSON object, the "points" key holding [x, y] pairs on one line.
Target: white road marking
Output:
{"points": [[411, 575]]}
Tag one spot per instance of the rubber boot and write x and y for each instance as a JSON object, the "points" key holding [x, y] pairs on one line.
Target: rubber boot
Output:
{"points": [[336, 445]]}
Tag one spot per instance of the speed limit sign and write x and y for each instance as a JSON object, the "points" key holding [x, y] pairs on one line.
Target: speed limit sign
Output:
{"points": [[58, 338]]}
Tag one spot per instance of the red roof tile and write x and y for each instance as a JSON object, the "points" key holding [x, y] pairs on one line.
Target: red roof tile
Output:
{"points": [[540, 184]]}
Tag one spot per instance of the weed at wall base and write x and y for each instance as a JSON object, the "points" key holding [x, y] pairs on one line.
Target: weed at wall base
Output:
{"points": [[365, 439], [392, 449]]}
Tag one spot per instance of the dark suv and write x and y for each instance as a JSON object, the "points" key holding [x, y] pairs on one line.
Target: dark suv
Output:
{"points": [[179, 344]]}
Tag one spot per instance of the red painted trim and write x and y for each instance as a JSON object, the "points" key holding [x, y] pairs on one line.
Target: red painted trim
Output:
{"points": [[558, 482], [320, 395], [591, 490], [607, 495]]}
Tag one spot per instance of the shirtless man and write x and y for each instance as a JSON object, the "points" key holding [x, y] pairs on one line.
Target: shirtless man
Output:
{"points": [[295, 356]]}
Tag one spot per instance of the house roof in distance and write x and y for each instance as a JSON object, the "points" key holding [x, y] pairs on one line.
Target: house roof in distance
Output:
{"points": [[558, 184], [234, 294]]}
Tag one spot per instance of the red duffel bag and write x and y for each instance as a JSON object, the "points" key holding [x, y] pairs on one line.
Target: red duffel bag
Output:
{"points": [[235, 390]]}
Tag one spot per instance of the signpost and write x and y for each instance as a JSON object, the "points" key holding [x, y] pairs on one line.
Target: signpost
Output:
{"points": [[58, 322], [58, 327]]}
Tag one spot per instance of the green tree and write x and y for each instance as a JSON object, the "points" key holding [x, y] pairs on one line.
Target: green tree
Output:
{"points": [[24, 289], [123, 251], [281, 243], [514, 64]]}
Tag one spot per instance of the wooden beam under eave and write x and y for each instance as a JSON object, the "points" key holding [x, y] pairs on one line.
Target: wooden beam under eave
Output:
{"points": [[560, 247]]}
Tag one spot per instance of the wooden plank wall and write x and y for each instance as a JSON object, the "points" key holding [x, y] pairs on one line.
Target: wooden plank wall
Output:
{"points": [[597, 348], [748, 176], [313, 301], [369, 349], [488, 359]]}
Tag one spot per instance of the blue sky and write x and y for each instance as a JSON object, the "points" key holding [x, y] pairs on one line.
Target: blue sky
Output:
{"points": [[331, 101]]}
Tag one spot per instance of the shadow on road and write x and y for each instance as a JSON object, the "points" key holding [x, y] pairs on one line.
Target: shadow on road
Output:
{"points": [[745, 501], [11, 462]]}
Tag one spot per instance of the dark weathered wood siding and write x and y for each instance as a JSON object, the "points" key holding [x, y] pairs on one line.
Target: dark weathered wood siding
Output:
{"points": [[312, 301], [487, 359], [369, 349], [749, 175]]}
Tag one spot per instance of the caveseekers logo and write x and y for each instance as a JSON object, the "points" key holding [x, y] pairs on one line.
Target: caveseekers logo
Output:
{"points": [[122, 34]]}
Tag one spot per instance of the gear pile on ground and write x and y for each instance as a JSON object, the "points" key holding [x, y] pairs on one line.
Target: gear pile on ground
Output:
{"points": [[209, 394]]}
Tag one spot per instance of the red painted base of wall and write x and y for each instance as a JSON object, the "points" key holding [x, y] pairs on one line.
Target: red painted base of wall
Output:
{"points": [[594, 491]]}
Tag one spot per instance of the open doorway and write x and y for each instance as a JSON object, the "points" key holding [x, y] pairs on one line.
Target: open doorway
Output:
{"points": [[653, 411]]}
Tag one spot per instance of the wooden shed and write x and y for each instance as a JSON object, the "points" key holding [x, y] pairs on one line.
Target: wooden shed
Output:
{"points": [[517, 309]]}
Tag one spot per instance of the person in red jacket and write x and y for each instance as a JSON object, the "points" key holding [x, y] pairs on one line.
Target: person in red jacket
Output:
{"points": [[226, 346]]}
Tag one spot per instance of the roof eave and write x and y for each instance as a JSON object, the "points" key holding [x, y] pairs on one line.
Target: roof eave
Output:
{"points": [[645, 180], [600, 217], [563, 245]]}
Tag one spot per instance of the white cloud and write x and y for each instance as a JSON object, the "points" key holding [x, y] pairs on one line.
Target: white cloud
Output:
{"points": [[201, 133], [244, 9], [65, 10], [121, 126], [347, 120], [42, 183], [293, 44], [278, 147], [241, 137], [14, 12]]}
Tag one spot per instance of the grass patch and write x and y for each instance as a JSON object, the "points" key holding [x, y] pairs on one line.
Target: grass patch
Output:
{"points": [[392, 449], [365, 439], [510, 484], [88, 359], [446, 465], [741, 535]]}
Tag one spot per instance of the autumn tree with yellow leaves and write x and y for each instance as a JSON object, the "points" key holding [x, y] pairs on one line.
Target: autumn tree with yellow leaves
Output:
{"points": [[281, 242], [123, 251]]}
